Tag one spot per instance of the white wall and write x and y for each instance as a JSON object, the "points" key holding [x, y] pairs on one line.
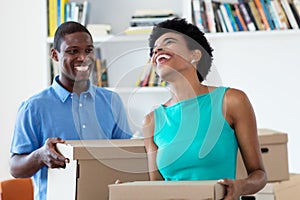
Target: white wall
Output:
{"points": [[23, 64], [267, 67]]}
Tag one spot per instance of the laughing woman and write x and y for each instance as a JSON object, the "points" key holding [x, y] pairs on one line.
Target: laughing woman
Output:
{"points": [[195, 135]]}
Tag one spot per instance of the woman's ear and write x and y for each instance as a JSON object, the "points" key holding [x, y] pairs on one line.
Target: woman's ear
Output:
{"points": [[196, 55], [54, 54]]}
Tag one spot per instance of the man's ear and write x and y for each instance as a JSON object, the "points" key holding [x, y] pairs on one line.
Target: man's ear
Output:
{"points": [[54, 54]]}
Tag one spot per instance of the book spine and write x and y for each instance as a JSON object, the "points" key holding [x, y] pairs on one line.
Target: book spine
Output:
{"points": [[222, 20], [226, 17], [281, 14], [262, 15], [231, 17], [256, 15], [197, 15], [241, 19], [210, 16], [52, 17], [248, 20], [274, 15], [267, 13], [289, 14]]}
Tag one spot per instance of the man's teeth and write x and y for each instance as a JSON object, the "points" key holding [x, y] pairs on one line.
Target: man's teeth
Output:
{"points": [[82, 68], [162, 56]]}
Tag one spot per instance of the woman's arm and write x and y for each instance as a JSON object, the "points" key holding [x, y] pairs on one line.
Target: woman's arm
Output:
{"points": [[151, 148], [240, 115]]}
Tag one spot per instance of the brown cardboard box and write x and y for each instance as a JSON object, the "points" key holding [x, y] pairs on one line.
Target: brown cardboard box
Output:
{"points": [[288, 190], [273, 146], [282, 190], [267, 193], [167, 190], [94, 165]]}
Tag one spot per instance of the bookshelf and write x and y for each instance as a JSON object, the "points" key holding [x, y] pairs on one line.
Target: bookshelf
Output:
{"points": [[248, 60]]}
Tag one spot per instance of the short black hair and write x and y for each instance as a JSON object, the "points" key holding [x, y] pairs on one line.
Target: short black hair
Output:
{"points": [[65, 29], [194, 37]]}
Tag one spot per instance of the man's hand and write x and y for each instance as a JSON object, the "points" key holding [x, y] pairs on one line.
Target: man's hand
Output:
{"points": [[49, 156]]}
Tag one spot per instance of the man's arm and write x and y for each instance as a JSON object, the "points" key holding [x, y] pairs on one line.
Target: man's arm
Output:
{"points": [[26, 165]]}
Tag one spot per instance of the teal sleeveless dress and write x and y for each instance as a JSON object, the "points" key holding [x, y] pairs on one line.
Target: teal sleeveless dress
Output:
{"points": [[194, 140]]}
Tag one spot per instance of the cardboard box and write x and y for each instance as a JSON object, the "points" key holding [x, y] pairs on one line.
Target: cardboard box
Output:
{"points": [[282, 190], [267, 193], [273, 146], [167, 190], [94, 165]]}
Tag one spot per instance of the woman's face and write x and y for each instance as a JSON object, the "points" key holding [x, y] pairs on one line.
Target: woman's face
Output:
{"points": [[171, 55]]}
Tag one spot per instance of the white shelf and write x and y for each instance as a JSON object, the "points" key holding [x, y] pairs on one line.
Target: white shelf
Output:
{"points": [[97, 39]]}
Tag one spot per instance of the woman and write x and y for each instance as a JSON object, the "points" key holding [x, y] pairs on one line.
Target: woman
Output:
{"points": [[195, 135]]}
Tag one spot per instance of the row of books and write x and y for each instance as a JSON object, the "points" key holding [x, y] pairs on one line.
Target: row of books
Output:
{"points": [[143, 20], [148, 77], [60, 11], [246, 15], [99, 75]]}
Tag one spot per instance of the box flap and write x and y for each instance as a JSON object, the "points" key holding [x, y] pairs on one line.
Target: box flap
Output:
{"points": [[269, 136], [102, 149], [167, 190]]}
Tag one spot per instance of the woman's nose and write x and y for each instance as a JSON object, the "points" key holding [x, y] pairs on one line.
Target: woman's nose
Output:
{"points": [[156, 50]]}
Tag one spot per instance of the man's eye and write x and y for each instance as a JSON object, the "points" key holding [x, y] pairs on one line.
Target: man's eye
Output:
{"points": [[89, 50], [72, 51]]}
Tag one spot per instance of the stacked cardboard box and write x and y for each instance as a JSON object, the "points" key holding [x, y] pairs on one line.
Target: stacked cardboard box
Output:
{"points": [[273, 146], [94, 165], [281, 190], [164, 190]]}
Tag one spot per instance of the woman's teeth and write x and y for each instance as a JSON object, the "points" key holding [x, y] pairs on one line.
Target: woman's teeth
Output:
{"points": [[82, 68], [163, 57]]}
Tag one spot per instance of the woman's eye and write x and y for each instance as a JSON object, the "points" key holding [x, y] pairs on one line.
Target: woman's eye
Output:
{"points": [[169, 42]]}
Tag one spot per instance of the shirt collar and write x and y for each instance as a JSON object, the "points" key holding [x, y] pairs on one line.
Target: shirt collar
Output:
{"points": [[64, 94]]}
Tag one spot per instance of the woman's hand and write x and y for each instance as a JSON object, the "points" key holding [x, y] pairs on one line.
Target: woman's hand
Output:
{"points": [[233, 188]]}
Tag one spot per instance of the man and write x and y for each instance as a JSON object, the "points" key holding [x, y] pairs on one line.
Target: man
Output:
{"points": [[70, 109]]}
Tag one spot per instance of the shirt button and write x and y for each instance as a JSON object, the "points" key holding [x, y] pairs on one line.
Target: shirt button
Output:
{"points": [[80, 105], [85, 96], [83, 126]]}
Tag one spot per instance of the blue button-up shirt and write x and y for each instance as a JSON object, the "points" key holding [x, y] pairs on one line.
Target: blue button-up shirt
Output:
{"points": [[55, 112]]}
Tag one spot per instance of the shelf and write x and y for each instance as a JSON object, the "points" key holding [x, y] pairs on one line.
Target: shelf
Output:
{"points": [[144, 37], [96, 39]]}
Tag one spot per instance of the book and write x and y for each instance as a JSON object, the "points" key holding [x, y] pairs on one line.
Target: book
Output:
{"points": [[231, 17], [85, 13], [256, 16], [289, 14], [222, 20], [240, 17], [267, 13], [52, 17], [281, 14], [265, 23], [138, 30], [148, 21], [210, 16], [218, 18], [197, 19], [247, 18], [274, 15], [226, 18], [295, 12]]}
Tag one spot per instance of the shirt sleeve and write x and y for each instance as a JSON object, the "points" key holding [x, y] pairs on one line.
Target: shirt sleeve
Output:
{"points": [[25, 136], [122, 129]]}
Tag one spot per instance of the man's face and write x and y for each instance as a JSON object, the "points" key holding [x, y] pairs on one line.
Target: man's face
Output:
{"points": [[76, 57]]}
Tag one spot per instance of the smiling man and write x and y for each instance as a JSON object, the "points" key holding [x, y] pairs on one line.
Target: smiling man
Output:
{"points": [[70, 109]]}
